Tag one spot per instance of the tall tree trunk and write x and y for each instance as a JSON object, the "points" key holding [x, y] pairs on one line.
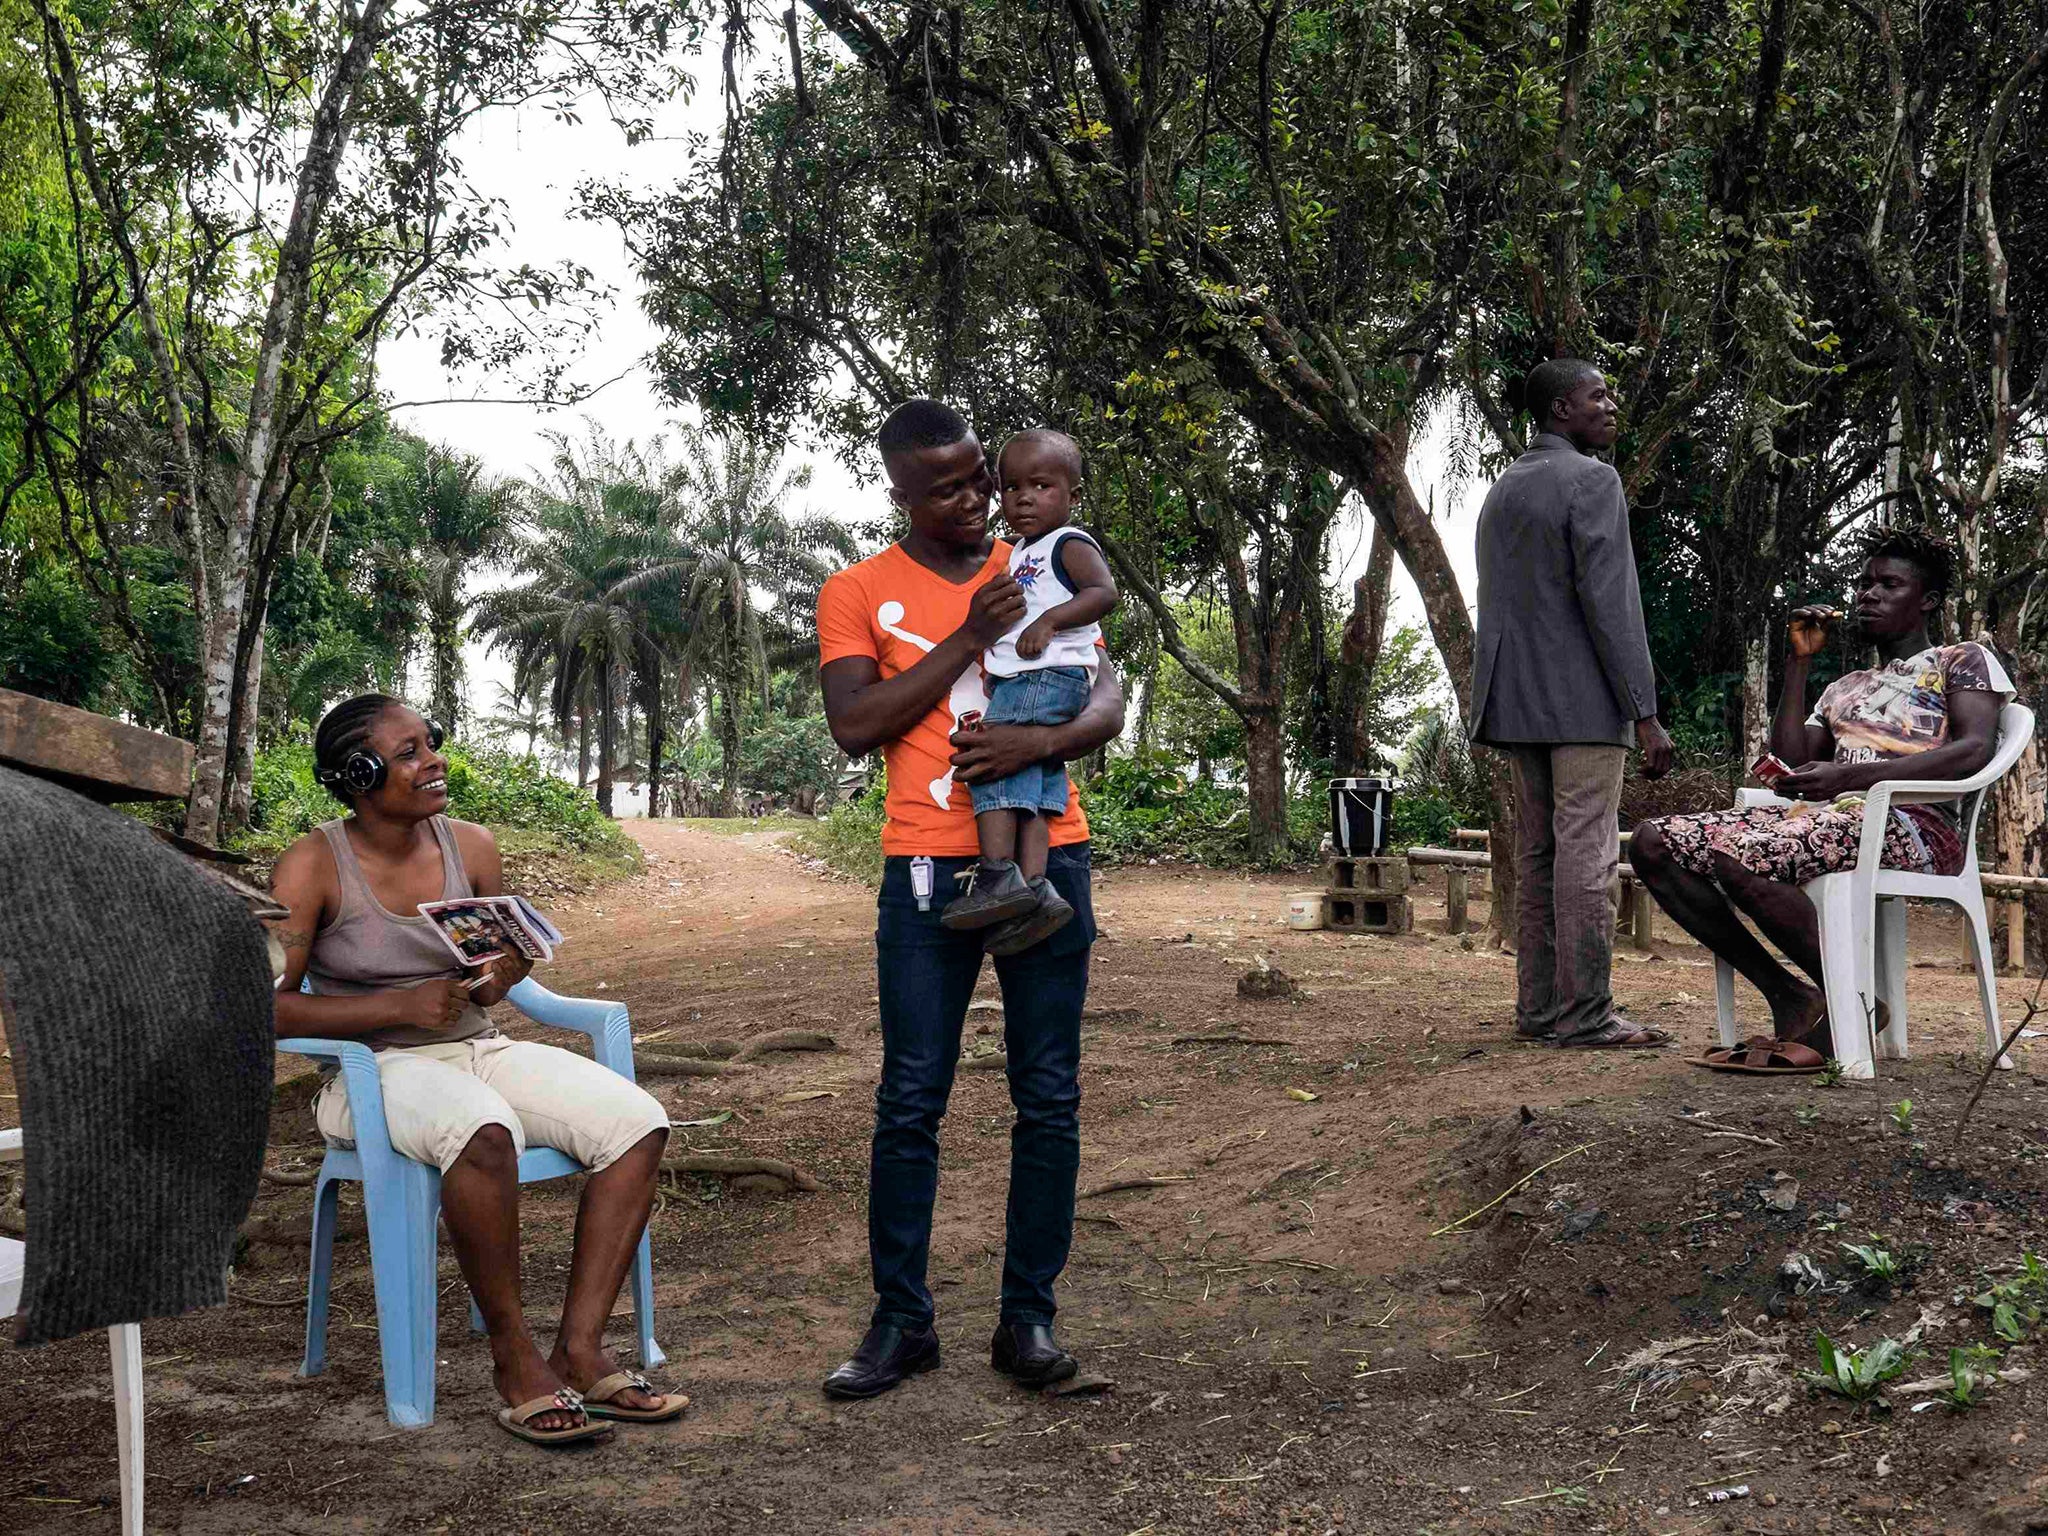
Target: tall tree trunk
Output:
{"points": [[444, 640], [656, 738], [583, 747], [318, 178], [1756, 698], [1266, 783], [243, 785], [606, 727], [729, 689], [1364, 637]]}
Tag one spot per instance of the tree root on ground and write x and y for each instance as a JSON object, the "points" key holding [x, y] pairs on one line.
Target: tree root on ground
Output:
{"points": [[747, 1173], [653, 1064], [787, 1040]]}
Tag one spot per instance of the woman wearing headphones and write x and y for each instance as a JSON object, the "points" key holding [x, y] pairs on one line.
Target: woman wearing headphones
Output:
{"points": [[457, 1093]]}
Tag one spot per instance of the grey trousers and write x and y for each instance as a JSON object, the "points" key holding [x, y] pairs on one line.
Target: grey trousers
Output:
{"points": [[1566, 799]]}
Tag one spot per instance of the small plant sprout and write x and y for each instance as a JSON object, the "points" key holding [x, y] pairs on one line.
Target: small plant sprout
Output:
{"points": [[2017, 1304], [1902, 1116], [1970, 1374], [1831, 1073], [1857, 1374], [1878, 1262], [1805, 1114]]}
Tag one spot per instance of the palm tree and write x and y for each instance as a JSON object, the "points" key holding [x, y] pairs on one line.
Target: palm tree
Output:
{"points": [[464, 520], [753, 560], [524, 711], [601, 546]]}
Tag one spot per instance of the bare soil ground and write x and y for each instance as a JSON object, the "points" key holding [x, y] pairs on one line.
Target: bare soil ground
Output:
{"points": [[1295, 1342]]}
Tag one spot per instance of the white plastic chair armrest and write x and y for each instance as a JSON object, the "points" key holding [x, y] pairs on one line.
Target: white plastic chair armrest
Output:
{"points": [[10, 1146]]}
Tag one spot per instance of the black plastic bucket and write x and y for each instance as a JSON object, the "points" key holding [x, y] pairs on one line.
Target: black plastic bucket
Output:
{"points": [[1362, 816]]}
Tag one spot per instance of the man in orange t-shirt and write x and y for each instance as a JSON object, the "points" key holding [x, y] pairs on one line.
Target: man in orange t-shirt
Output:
{"points": [[900, 638]]}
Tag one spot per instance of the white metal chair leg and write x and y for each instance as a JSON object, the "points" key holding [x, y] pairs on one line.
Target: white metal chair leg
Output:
{"points": [[1724, 1002], [1977, 928], [124, 1342], [1847, 941], [1891, 975]]}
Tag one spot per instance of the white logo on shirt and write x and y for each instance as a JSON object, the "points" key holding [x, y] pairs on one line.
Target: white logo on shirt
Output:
{"points": [[967, 692]]}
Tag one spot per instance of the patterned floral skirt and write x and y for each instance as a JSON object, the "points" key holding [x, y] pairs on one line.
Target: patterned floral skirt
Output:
{"points": [[1795, 844]]}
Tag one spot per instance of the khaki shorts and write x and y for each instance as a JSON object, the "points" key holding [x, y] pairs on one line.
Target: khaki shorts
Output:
{"points": [[436, 1097]]}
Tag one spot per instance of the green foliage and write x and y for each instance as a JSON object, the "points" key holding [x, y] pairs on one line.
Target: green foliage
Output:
{"points": [[2017, 1305], [1831, 1074], [52, 641], [1857, 1374], [1878, 1262], [497, 789], [849, 838], [1902, 1115], [1141, 808], [1971, 1373]]}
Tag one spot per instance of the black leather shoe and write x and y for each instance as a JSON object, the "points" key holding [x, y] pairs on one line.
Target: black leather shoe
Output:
{"points": [[885, 1357], [1028, 1352]]}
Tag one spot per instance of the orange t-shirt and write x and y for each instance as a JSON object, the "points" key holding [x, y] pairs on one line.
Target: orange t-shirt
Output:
{"points": [[893, 609]]}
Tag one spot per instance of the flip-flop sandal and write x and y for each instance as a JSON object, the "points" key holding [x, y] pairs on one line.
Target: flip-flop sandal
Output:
{"points": [[516, 1421], [1618, 1034], [1536, 1037], [599, 1402], [1762, 1056]]}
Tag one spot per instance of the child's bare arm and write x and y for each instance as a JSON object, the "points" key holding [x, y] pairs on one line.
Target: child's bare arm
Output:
{"points": [[1084, 569]]}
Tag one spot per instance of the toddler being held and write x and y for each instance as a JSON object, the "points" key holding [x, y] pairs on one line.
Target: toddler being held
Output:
{"points": [[1040, 673]]}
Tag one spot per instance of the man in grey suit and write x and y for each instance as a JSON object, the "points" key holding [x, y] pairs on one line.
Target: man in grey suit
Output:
{"points": [[1562, 682]]}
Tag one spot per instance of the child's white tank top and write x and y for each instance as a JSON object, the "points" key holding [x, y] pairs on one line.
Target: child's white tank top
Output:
{"points": [[1037, 569]]}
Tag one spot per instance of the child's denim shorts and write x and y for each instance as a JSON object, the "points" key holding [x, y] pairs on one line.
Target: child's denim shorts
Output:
{"points": [[1049, 696]]}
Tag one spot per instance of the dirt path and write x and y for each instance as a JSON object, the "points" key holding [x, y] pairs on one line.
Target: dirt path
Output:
{"points": [[1292, 1347]]}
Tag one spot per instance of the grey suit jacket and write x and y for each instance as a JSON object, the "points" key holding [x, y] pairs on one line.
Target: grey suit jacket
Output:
{"points": [[1562, 654]]}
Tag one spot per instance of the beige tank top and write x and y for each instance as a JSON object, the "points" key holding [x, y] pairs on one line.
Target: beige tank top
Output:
{"points": [[367, 949]]}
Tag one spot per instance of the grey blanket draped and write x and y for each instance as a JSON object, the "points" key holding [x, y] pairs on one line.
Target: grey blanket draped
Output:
{"points": [[138, 1007]]}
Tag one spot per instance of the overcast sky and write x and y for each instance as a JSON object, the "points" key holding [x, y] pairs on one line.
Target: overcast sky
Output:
{"points": [[534, 162]]}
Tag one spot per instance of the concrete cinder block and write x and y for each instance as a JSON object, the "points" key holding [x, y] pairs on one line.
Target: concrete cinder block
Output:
{"points": [[1356, 912], [1375, 877]]}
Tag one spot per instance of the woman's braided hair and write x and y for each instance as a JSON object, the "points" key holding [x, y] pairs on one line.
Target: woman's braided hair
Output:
{"points": [[345, 729], [1925, 550]]}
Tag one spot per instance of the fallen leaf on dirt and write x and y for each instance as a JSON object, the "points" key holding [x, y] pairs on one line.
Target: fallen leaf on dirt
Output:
{"points": [[1784, 1197], [709, 1120], [1302, 1095], [804, 1098], [1083, 1385]]}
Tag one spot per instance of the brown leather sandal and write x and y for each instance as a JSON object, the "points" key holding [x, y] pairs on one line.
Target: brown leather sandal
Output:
{"points": [[1763, 1056]]}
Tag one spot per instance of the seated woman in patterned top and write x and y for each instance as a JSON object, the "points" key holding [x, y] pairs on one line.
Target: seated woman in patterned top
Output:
{"points": [[1935, 704]]}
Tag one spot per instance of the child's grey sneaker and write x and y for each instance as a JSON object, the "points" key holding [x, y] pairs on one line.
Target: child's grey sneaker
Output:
{"points": [[998, 894], [1052, 913]]}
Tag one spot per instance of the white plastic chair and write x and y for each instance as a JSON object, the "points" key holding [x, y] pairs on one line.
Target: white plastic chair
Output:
{"points": [[1863, 913], [125, 1340]]}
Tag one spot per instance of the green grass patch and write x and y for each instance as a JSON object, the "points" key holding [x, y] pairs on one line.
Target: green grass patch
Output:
{"points": [[739, 826], [847, 840], [537, 859]]}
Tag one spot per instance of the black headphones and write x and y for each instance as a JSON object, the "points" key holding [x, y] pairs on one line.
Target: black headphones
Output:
{"points": [[363, 772]]}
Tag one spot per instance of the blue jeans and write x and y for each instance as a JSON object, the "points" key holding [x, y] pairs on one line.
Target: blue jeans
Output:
{"points": [[927, 979], [1049, 696]]}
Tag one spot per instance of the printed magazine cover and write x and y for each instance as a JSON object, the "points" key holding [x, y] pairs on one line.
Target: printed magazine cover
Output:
{"points": [[478, 929]]}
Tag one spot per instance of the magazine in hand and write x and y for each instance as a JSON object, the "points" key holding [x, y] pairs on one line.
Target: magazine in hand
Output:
{"points": [[481, 928]]}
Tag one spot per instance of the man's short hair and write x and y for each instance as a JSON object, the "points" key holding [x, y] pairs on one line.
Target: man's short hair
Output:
{"points": [[1553, 381], [921, 424], [1926, 551], [1068, 450]]}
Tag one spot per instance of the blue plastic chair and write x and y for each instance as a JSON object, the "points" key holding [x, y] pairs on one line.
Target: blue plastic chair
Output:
{"points": [[402, 1199]]}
